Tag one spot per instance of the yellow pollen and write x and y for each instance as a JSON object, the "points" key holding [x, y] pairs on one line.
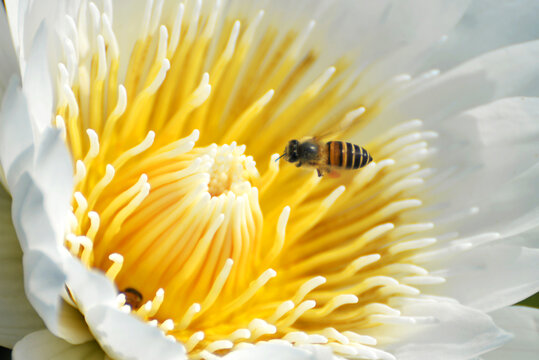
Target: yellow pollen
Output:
{"points": [[178, 195]]}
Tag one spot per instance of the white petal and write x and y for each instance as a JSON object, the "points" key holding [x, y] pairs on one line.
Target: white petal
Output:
{"points": [[320, 352], [43, 345], [16, 138], [269, 351], [37, 83], [34, 227], [489, 277], [394, 36], [72, 326], [482, 80], [529, 238], [36, 212], [45, 275], [53, 172], [453, 332], [44, 282], [17, 317], [9, 67], [15, 10], [25, 18], [96, 296], [510, 210], [41, 195], [513, 209], [380, 28], [523, 323], [8, 58], [493, 149], [110, 326], [487, 25], [90, 288]]}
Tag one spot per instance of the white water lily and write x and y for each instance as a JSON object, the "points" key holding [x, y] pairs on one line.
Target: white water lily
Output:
{"points": [[138, 142]]}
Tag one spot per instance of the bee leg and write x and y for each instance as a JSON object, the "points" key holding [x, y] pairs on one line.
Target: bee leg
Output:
{"points": [[319, 172], [298, 164]]}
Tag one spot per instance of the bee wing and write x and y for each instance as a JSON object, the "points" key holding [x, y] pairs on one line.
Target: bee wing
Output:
{"points": [[336, 130], [324, 137]]}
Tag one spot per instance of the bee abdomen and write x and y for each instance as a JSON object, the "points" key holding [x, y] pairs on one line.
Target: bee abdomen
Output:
{"points": [[361, 157], [347, 155]]}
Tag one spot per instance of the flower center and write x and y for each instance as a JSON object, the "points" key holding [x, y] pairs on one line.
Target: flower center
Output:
{"points": [[201, 211], [230, 170], [216, 252]]}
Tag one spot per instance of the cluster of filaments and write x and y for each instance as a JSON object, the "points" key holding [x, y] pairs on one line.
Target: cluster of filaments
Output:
{"points": [[280, 256]]}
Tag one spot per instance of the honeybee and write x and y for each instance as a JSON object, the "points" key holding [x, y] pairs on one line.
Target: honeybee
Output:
{"points": [[133, 298], [326, 157]]}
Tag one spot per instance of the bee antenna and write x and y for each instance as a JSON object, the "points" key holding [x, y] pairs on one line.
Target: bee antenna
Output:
{"points": [[280, 157]]}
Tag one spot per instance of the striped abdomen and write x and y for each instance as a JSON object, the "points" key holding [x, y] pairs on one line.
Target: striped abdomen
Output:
{"points": [[347, 155]]}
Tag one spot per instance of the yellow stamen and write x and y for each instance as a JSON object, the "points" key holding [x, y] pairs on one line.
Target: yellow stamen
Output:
{"points": [[114, 269], [207, 220]]}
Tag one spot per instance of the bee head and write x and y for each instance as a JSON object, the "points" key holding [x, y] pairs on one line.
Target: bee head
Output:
{"points": [[291, 151]]}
